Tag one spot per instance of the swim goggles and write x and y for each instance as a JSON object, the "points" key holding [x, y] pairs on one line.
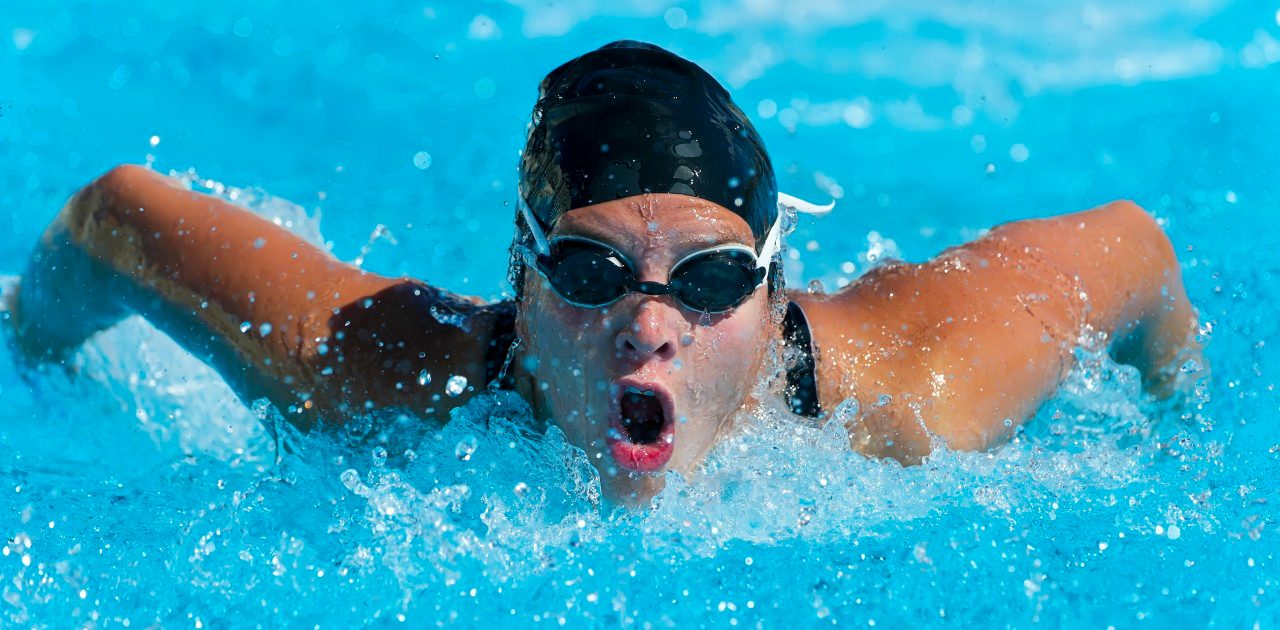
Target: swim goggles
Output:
{"points": [[590, 274]]}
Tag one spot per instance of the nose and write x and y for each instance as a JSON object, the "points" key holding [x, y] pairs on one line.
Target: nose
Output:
{"points": [[650, 334]]}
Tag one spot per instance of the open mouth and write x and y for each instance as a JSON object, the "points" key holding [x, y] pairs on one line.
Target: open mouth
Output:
{"points": [[642, 416], [642, 434]]}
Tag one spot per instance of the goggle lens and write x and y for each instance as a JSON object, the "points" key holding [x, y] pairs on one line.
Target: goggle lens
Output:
{"points": [[715, 282], [586, 274]]}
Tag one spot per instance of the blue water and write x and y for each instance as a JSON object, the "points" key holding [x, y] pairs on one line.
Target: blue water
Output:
{"points": [[135, 490]]}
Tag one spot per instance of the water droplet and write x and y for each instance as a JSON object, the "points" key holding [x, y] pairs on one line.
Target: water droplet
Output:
{"points": [[522, 489], [884, 399], [358, 427], [686, 339], [806, 515], [351, 479], [264, 329], [1019, 153], [379, 456], [245, 326], [424, 377], [846, 412], [815, 286], [456, 385], [465, 449], [1008, 422], [259, 243], [322, 349], [676, 18], [422, 160]]}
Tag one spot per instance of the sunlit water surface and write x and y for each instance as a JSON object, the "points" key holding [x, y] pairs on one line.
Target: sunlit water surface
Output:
{"points": [[136, 490]]}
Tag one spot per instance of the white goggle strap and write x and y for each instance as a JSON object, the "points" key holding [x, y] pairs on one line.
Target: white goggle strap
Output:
{"points": [[806, 207], [535, 228], [772, 242]]}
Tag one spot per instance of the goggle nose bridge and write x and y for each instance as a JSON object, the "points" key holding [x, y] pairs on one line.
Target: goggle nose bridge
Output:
{"points": [[650, 288]]}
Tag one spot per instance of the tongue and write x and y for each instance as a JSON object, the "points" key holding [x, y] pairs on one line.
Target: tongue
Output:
{"points": [[642, 418]]}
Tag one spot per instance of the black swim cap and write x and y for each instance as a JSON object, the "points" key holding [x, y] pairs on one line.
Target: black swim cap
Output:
{"points": [[632, 118]]}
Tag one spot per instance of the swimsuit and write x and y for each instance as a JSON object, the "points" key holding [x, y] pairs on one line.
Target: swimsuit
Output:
{"points": [[802, 384]]}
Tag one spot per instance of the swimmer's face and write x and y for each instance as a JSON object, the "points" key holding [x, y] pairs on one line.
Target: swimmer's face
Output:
{"points": [[644, 385]]}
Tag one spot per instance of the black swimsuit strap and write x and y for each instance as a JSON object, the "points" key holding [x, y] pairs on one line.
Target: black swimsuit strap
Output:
{"points": [[497, 374], [802, 380]]}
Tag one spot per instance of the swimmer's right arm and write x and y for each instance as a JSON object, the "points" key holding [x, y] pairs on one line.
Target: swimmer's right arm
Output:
{"points": [[199, 268]]}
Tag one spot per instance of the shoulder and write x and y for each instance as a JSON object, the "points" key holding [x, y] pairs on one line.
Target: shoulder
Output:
{"points": [[409, 344]]}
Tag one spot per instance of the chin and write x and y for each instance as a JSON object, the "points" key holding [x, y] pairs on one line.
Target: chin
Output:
{"points": [[631, 489]]}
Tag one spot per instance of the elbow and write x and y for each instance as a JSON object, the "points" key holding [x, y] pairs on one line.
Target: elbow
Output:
{"points": [[120, 181], [102, 199], [121, 176], [1143, 230]]}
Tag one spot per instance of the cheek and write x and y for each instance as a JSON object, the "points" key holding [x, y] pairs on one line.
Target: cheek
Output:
{"points": [[733, 345], [566, 341]]}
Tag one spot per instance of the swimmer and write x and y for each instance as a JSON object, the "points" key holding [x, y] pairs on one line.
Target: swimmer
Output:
{"points": [[648, 303]]}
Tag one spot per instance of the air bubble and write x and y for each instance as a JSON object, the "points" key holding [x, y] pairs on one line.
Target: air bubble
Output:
{"points": [[264, 329], [245, 326], [259, 243], [465, 449], [379, 456], [424, 377]]}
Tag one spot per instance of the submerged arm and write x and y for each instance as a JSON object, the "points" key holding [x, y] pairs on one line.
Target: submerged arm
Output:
{"points": [[266, 309], [967, 346]]}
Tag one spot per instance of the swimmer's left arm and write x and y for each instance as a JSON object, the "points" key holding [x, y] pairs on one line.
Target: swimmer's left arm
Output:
{"points": [[971, 343]]}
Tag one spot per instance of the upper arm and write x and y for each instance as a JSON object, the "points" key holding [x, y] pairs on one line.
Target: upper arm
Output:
{"points": [[968, 345], [259, 303]]}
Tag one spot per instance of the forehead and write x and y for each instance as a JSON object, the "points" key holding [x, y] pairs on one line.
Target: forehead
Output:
{"points": [[681, 220]]}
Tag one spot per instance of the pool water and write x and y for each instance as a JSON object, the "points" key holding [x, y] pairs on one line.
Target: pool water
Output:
{"points": [[135, 490]]}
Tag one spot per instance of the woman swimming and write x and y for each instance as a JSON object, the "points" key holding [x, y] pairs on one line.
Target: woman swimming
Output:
{"points": [[649, 302]]}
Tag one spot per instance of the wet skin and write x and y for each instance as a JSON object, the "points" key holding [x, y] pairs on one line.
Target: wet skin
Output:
{"points": [[962, 348]]}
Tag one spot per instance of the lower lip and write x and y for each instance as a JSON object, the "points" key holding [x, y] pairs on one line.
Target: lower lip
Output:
{"points": [[643, 458]]}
